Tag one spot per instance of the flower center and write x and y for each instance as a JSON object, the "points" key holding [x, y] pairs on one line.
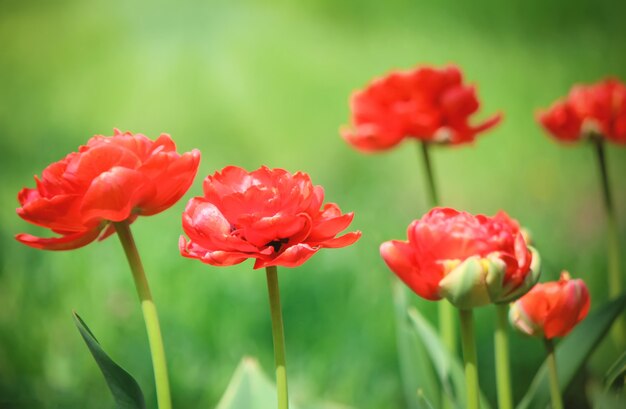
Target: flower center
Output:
{"points": [[278, 244]]}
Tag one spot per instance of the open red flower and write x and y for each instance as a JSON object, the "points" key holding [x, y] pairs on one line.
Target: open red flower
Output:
{"points": [[470, 260], [597, 109], [426, 103], [269, 214], [551, 309], [111, 179]]}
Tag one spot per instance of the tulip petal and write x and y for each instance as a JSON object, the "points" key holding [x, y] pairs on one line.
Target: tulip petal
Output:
{"points": [[400, 258], [172, 175], [215, 258], [113, 195], [338, 242], [67, 242], [207, 227], [292, 257], [329, 227]]}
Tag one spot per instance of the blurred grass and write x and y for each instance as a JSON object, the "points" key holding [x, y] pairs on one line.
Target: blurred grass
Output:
{"points": [[257, 82]]}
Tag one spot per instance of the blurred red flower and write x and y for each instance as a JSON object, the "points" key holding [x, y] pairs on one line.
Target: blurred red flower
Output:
{"points": [[597, 109], [269, 214], [425, 103], [470, 260], [110, 179], [551, 309]]}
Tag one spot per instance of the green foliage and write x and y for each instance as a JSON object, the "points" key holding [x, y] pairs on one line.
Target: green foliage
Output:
{"points": [[250, 388], [420, 383], [617, 370], [125, 389], [448, 367], [573, 351]]}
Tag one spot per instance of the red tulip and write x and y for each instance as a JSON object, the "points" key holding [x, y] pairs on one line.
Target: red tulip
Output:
{"points": [[470, 260], [269, 214], [426, 103], [597, 109], [551, 309], [111, 179]]}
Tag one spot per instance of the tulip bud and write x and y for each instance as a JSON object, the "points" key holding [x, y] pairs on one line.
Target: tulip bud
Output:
{"points": [[551, 309], [480, 281]]}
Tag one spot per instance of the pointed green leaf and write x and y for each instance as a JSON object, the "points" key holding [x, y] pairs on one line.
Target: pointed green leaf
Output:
{"points": [[572, 352], [249, 388], [418, 375], [615, 371], [124, 388], [448, 366]]}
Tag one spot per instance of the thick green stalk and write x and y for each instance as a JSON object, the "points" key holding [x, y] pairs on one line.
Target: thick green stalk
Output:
{"points": [[613, 244], [447, 329], [470, 361], [555, 392], [503, 366], [278, 335], [150, 316]]}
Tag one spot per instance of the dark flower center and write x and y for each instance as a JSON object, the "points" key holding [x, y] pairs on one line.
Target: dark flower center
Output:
{"points": [[278, 244]]}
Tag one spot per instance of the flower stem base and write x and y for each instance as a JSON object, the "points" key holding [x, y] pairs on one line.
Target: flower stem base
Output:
{"points": [[469, 359], [278, 336], [150, 316], [503, 366]]}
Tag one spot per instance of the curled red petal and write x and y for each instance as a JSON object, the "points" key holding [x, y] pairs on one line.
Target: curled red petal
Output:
{"points": [[338, 242], [292, 257], [215, 258], [400, 258], [67, 242], [488, 123], [113, 195], [173, 178], [330, 227], [57, 213]]}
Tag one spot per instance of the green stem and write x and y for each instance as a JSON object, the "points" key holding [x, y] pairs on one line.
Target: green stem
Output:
{"points": [[430, 177], [278, 335], [555, 392], [613, 245], [447, 329], [503, 366], [469, 359], [150, 316]]}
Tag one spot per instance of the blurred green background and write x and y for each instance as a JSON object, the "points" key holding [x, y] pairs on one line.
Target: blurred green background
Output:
{"points": [[268, 82]]}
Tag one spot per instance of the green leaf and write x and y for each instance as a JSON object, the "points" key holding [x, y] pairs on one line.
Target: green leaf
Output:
{"points": [[249, 388], [124, 388], [604, 399], [572, 352], [418, 375], [615, 371], [448, 367]]}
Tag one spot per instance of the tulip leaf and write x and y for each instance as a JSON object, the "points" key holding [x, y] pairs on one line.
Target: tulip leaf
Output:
{"points": [[249, 388], [447, 365], [126, 391], [601, 398], [418, 375], [615, 371], [572, 352]]}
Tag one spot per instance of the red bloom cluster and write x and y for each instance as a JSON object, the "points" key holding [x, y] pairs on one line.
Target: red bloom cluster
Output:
{"points": [[598, 109], [425, 103], [110, 179], [470, 260], [551, 309], [269, 214]]}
